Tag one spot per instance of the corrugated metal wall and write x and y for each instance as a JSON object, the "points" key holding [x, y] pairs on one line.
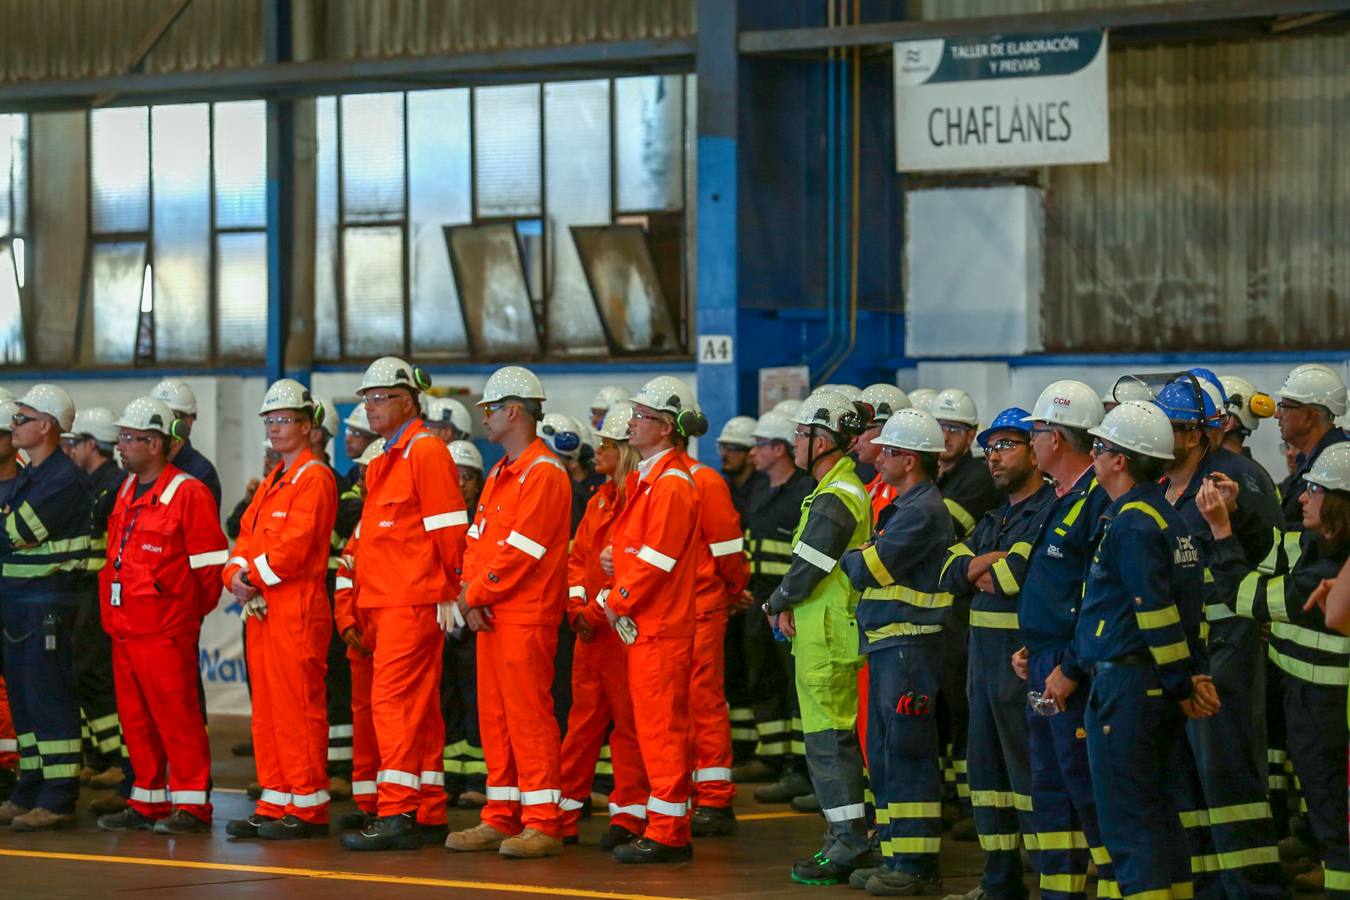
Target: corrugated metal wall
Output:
{"points": [[1221, 220]]}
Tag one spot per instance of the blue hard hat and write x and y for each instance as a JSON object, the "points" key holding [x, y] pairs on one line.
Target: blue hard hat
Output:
{"points": [[1179, 401], [1214, 396], [1010, 419]]}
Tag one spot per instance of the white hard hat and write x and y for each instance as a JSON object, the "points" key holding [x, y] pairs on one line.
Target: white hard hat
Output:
{"points": [[738, 432], [466, 455], [50, 400], [8, 409], [1314, 384], [287, 393], [832, 410], [1246, 402], [512, 381], [608, 395], [373, 449], [98, 422], [615, 425], [1331, 469], [955, 405], [390, 371], [884, 399], [176, 395], [1068, 403], [912, 429], [788, 407], [1138, 427], [1128, 388], [6, 394], [147, 414], [562, 433], [666, 393], [446, 409], [359, 419], [922, 398], [851, 392], [776, 426]]}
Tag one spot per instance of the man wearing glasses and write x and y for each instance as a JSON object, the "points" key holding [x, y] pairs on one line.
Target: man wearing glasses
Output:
{"points": [[44, 545], [1312, 396], [1000, 769]]}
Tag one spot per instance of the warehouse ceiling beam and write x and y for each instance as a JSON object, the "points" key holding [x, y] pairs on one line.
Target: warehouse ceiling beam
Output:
{"points": [[1151, 23]]}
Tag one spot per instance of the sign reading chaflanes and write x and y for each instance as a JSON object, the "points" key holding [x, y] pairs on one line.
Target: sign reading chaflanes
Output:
{"points": [[1001, 101]]}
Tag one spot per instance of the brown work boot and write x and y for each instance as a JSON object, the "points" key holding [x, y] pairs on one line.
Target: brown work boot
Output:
{"points": [[107, 804], [339, 788], [110, 777], [9, 812], [531, 844], [42, 820], [480, 837], [471, 800], [87, 773]]}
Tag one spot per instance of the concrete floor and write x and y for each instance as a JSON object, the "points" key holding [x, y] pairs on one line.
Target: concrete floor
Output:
{"points": [[89, 863]]}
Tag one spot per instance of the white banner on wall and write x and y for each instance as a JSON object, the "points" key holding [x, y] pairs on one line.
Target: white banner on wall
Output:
{"points": [[221, 658], [1000, 101]]}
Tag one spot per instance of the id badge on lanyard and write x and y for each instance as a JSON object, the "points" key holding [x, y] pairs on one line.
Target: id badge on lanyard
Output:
{"points": [[115, 589]]}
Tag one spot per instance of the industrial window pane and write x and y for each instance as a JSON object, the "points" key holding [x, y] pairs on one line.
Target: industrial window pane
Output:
{"points": [[13, 173], [577, 164], [12, 349], [506, 150], [241, 295], [241, 164], [181, 161], [326, 345], [372, 157], [491, 280], [626, 288], [373, 290], [119, 169], [649, 139], [439, 194], [690, 258], [118, 282]]}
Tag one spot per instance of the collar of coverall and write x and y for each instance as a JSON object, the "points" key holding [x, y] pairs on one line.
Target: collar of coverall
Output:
{"points": [[535, 449], [397, 441], [646, 466]]}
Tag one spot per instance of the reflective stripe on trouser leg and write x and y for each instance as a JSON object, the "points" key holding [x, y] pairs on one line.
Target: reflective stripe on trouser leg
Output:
{"points": [[658, 680], [405, 703], [149, 793], [710, 730], [1316, 732], [365, 749], [835, 766]]}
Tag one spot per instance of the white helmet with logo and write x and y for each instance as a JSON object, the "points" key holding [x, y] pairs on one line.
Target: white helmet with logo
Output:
{"points": [[1314, 384], [466, 455], [912, 429], [615, 426], [666, 393], [738, 432], [607, 396], [390, 371], [52, 401], [775, 426], [359, 419], [448, 410], [373, 449], [922, 398], [832, 410], [1139, 427], [1068, 403], [147, 414], [1331, 469], [98, 422], [176, 395], [287, 393], [562, 434], [512, 382], [885, 400], [955, 405]]}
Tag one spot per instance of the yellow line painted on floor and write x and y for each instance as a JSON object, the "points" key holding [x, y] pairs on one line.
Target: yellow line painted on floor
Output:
{"points": [[759, 817], [368, 877]]}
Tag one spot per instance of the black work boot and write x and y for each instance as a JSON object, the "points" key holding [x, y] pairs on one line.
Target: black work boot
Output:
{"points": [[386, 833]]}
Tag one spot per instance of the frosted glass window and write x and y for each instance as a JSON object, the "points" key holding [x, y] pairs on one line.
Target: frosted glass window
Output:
{"points": [[491, 279], [326, 344], [439, 194], [119, 169], [373, 290], [180, 159], [118, 274], [13, 173], [506, 150], [372, 157], [12, 349], [649, 139], [626, 288], [576, 173], [241, 285], [241, 164]]}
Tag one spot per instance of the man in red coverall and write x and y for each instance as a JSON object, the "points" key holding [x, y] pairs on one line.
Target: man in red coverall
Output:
{"points": [[162, 576], [654, 564], [516, 583]]}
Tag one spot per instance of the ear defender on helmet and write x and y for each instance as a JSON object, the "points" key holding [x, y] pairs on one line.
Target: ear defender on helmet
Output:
{"points": [[855, 423], [421, 378], [691, 423], [178, 431], [319, 414]]}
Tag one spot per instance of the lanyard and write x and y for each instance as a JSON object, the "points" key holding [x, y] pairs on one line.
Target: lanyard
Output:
{"points": [[126, 535]]}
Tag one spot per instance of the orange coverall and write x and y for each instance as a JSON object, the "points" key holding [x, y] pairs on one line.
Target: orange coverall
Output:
{"points": [[347, 614]]}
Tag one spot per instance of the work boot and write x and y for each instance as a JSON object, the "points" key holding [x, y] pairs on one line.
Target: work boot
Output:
{"points": [[975, 893], [820, 869], [1312, 881], [107, 803], [248, 826], [713, 821], [244, 749], [291, 828], [531, 844], [397, 832], [964, 830], [1294, 848], [180, 821], [433, 834], [793, 783], [479, 838], [893, 883], [859, 878], [7, 782], [86, 773], [254, 790], [806, 803], [354, 820], [339, 788], [472, 800], [646, 850], [753, 771], [41, 819], [617, 835], [126, 820], [109, 778]]}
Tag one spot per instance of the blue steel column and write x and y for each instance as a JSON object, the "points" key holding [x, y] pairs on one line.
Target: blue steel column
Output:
{"points": [[718, 101], [280, 193]]}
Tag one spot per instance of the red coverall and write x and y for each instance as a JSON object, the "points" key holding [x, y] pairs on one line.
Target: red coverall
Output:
{"points": [[882, 495], [516, 567], [599, 683], [347, 614], [9, 738], [165, 552], [411, 549], [722, 574], [655, 565], [283, 544]]}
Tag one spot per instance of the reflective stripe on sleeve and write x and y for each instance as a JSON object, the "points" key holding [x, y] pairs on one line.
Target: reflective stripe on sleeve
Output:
{"points": [[726, 548], [268, 576], [526, 545], [656, 558], [445, 520], [213, 558], [814, 557]]}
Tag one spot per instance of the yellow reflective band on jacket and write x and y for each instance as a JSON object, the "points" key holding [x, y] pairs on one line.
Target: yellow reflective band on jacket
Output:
{"points": [[61, 770], [963, 518], [1257, 856], [980, 618], [1021, 548], [1217, 612], [1003, 575], [782, 548], [30, 518], [1293, 548], [877, 567], [54, 748], [954, 553], [1158, 618], [1170, 653], [1333, 675], [908, 595], [1313, 640], [1147, 510], [1072, 516], [901, 629], [769, 567]]}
